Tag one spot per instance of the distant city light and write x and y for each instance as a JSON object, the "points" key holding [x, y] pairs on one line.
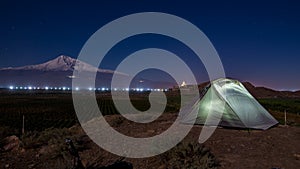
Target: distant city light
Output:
{"points": [[139, 89], [90, 88]]}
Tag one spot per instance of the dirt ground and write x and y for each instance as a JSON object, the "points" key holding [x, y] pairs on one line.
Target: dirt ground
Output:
{"points": [[277, 147]]}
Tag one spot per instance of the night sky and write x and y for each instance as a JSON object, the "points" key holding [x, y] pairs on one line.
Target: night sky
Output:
{"points": [[256, 41]]}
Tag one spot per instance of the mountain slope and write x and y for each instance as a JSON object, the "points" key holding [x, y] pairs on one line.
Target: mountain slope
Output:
{"points": [[262, 92], [59, 72], [61, 63]]}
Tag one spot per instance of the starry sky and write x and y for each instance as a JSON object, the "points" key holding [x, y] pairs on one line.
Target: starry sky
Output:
{"points": [[256, 41]]}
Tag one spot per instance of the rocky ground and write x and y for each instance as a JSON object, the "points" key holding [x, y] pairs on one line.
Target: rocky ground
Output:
{"points": [[277, 147]]}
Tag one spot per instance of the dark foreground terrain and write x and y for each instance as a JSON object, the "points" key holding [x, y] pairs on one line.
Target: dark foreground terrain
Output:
{"points": [[227, 148], [50, 119]]}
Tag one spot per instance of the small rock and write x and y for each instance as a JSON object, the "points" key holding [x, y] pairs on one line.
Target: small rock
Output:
{"points": [[151, 131], [10, 143], [22, 150], [162, 167], [31, 165], [6, 165], [297, 156]]}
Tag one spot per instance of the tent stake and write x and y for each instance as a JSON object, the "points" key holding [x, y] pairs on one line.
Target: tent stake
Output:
{"points": [[285, 117], [23, 125]]}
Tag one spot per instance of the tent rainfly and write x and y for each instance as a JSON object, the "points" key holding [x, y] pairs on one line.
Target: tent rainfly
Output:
{"points": [[227, 103]]}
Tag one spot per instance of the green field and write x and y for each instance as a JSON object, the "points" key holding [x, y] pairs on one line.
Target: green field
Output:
{"points": [[277, 107], [44, 110], [291, 105]]}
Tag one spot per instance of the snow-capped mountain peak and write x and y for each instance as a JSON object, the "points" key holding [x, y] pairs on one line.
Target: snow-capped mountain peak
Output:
{"points": [[61, 63]]}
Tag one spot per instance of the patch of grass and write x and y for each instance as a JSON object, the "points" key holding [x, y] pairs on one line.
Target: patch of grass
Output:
{"points": [[51, 140], [291, 105], [191, 156]]}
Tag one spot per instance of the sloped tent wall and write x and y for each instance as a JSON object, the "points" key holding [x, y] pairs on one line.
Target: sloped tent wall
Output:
{"points": [[228, 103]]}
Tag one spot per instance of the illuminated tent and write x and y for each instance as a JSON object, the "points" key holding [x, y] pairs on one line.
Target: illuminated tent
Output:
{"points": [[227, 102]]}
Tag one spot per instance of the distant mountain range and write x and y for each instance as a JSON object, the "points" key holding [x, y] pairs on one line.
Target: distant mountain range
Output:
{"points": [[59, 72], [263, 92]]}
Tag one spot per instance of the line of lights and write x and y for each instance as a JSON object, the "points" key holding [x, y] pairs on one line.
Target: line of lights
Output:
{"points": [[63, 88]]}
